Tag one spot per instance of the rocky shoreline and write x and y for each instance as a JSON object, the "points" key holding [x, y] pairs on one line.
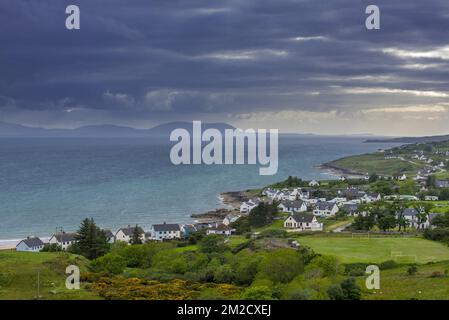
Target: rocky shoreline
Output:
{"points": [[231, 199], [337, 171]]}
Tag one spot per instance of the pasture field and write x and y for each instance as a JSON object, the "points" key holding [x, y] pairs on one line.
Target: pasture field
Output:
{"points": [[376, 250]]}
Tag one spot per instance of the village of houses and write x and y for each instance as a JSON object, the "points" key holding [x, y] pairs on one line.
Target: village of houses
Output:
{"points": [[301, 212]]}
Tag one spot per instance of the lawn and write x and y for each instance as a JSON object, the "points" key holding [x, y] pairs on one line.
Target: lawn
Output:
{"points": [[19, 270], [376, 250], [332, 224]]}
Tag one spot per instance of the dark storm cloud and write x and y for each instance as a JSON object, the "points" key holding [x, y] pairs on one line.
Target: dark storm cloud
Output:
{"points": [[182, 59]]}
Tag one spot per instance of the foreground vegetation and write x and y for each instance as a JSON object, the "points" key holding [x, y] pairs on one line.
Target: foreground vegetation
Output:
{"points": [[19, 276]]}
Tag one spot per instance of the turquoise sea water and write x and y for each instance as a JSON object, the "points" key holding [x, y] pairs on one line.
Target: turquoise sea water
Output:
{"points": [[50, 183]]}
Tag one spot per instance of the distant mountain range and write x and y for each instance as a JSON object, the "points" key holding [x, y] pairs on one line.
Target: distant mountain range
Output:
{"points": [[101, 131], [412, 139]]}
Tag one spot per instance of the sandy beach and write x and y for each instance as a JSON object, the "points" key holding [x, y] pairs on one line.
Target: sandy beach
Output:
{"points": [[8, 244]]}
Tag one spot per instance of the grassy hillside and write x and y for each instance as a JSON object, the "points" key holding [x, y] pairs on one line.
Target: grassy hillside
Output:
{"points": [[18, 276], [375, 163], [377, 250], [396, 284]]}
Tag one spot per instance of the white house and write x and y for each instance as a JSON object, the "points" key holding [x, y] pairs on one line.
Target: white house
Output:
{"points": [[338, 200], [230, 218], [221, 229], [401, 177], [325, 209], [187, 230], [351, 208], [371, 197], [442, 183], [249, 205], [109, 236], [165, 231], [411, 215], [301, 221], [293, 206], [126, 234], [63, 239], [314, 183], [30, 244], [431, 198]]}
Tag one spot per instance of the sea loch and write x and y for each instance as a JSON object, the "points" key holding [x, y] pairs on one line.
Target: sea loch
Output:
{"points": [[51, 183]]}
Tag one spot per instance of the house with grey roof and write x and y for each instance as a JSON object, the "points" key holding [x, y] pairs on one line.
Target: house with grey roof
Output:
{"points": [[165, 231], [110, 237], [411, 215], [230, 218], [352, 209], [293, 206], [303, 222], [126, 234], [325, 209], [187, 230], [221, 230], [442, 183], [63, 239], [30, 244]]}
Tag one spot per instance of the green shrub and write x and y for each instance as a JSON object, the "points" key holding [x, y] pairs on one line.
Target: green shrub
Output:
{"points": [[335, 292], [6, 279], [356, 269], [389, 264], [299, 294], [257, 293], [109, 263], [412, 270]]}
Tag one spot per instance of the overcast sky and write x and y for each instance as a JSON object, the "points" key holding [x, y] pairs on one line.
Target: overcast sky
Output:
{"points": [[297, 65]]}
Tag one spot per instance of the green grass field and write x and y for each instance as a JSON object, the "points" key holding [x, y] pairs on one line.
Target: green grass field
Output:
{"points": [[18, 276], [375, 162], [397, 284], [376, 250]]}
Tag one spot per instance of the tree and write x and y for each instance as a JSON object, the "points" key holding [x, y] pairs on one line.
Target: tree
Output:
{"points": [[342, 213], [91, 241], [212, 243], [431, 181], [257, 293], [403, 223], [408, 187], [373, 178], [364, 223], [387, 222], [335, 292], [136, 237], [412, 270], [262, 214], [281, 266], [441, 220], [444, 194], [111, 263], [383, 187], [241, 225], [351, 290], [423, 212], [51, 247]]}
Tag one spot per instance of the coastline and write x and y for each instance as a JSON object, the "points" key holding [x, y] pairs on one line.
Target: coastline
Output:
{"points": [[336, 171], [230, 199]]}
